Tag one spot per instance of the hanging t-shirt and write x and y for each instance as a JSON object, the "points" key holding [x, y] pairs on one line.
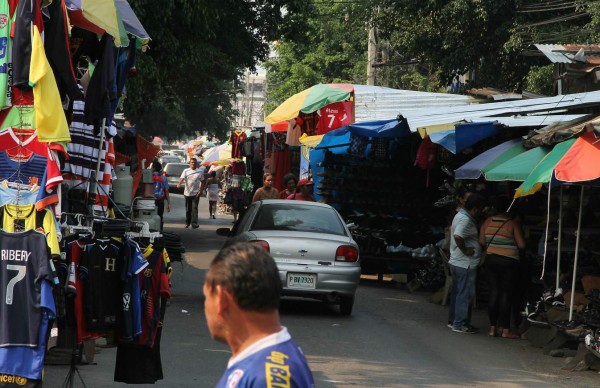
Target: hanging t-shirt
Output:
{"points": [[236, 140], [154, 285], [24, 265], [101, 268], [5, 59], [135, 262], [24, 217], [334, 116]]}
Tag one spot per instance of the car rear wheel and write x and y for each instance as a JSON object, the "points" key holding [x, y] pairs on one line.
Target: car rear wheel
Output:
{"points": [[346, 304]]}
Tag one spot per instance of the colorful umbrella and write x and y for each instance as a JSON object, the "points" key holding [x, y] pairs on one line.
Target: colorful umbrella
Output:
{"points": [[519, 167], [489, 159], [220, 152], [113, 16], [543, 171], [307, 101]]}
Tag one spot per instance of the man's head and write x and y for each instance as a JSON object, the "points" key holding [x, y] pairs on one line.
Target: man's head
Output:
{"points": [[193, 163], [475, 204], [242, 279]]}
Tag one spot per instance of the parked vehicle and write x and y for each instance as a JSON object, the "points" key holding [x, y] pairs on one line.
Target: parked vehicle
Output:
{"points": [[169, 159], [172, 171], [313, 248]]}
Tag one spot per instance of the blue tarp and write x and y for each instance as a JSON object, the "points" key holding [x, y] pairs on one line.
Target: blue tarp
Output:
{"points": [[377, 128], [464, 135]]}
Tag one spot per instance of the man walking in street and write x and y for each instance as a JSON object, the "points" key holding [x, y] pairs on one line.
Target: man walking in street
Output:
{"points": [[192, 178], [465, 252], [242, 291]]}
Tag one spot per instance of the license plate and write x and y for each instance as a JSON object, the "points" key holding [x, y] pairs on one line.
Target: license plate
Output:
{"points": [[299, 280]]}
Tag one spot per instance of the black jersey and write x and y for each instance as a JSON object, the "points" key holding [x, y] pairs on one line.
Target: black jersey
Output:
{"points": [[24, 265], [101, 270]]}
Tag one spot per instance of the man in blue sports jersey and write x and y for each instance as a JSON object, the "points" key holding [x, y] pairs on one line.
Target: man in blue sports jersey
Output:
{"points": [[242, 291]]}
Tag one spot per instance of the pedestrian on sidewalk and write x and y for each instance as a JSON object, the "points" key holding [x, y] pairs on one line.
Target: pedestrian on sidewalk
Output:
{"points": [[161, 191], [213, 187], [242, 291], [465, 252], [192, 178], [267, 191]]}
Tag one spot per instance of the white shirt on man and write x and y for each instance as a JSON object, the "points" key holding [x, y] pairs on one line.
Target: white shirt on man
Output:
{"points": [[192, 179]]}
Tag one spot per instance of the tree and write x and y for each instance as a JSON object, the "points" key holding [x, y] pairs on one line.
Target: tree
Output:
{"points": [[190, 74], [332, 49]]}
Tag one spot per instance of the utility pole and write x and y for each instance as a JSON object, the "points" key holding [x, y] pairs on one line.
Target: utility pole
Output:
{"points": [[371, 55]]}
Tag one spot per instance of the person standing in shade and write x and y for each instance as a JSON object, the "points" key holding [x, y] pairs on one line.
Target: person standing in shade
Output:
{"points": [[267, 191], [161, 191], [213, 186], [465, 253], [242, 290], [503, 238], [304, 192], [289, 182], [192, 178]]}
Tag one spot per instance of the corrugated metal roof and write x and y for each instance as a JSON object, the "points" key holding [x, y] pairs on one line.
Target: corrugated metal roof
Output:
{"points": [[564, 53], [381, 103], [424, 117], [530, 121]]}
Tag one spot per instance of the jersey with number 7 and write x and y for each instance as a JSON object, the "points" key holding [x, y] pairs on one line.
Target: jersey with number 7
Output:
{"points": [[24, 265]]}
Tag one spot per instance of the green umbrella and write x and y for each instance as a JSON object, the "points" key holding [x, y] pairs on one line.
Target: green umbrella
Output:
{"points": [[519, 167], [542, 173]]}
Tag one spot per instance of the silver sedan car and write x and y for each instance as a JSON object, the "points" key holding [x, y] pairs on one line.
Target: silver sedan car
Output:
{"points": [[312, 246]]}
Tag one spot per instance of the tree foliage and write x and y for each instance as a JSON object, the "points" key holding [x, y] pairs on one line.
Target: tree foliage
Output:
{"points": [[430, 42], [188, 78]]}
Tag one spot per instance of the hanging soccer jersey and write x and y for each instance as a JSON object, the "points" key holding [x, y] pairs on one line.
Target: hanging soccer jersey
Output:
{"points": [[5, 60], [334, 116], [24, 265]]}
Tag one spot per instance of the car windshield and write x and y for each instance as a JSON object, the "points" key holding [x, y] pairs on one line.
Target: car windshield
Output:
{"points": [[175, 169], [302, 218]]}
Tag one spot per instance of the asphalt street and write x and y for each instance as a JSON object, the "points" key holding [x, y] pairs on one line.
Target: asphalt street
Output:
{"points": [[393, 338]]}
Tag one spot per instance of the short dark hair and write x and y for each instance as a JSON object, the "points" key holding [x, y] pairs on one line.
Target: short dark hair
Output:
{"points": [[156, 166], [250, 274], [475, 201], [213, 174], [289, 177]]}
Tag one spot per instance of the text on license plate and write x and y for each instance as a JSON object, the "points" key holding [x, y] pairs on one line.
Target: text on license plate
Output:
{"points": [[299, 280]]}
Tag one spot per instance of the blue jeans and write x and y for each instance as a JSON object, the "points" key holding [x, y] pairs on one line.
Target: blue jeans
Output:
{"points": [[464, 281]]}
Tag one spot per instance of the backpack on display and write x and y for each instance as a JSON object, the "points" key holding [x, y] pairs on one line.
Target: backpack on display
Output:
{"points": [[158, 187]]}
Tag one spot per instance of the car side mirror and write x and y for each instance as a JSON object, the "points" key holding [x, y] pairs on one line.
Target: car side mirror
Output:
{"points": [[225, 232]]}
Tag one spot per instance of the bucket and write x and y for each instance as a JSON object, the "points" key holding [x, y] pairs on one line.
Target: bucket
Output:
{"points": [[123, 185]]}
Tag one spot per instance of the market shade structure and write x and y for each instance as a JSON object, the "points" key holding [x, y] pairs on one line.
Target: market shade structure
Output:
{"points": [[112, 16], [378, 128], [519, 167], [464, 135], [307, 101], [220, 152], [542, 173], [489, 159]]}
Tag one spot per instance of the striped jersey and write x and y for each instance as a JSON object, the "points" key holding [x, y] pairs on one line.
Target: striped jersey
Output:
{"points": [[499, 237]]}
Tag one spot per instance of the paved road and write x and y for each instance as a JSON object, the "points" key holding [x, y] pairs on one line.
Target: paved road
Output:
{"points": [[393, 339]]}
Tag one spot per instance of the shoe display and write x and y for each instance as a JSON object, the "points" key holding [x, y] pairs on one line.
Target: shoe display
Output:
{"points": [[447, 200]]}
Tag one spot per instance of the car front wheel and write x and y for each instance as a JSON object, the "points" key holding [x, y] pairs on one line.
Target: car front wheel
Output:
{"points": [[346, 303]]}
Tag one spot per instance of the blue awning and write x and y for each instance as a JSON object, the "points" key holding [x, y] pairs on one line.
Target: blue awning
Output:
{"points": [[378, 128], [464, 135]]}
